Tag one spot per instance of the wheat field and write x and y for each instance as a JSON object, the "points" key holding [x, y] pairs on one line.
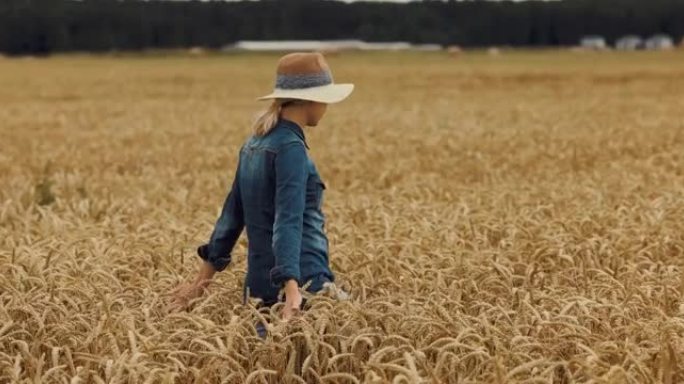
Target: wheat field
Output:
{"points": [[497, 219]]}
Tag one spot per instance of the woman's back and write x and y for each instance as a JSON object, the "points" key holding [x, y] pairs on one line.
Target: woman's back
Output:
{"points": [[281, 194]]}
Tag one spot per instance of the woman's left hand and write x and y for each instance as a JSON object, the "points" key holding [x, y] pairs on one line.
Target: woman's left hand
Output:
{"points": [[183, 295]]}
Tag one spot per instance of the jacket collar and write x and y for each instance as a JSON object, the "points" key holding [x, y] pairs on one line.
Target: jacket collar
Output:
{"points": [[295, 128]]}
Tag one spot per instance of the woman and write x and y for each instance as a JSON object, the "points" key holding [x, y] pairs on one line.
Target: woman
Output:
{"points": [[277, 195]]}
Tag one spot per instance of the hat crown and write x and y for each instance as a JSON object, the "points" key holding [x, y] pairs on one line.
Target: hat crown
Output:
{"points": [[301, 70], [307, 76], [299, 63]]}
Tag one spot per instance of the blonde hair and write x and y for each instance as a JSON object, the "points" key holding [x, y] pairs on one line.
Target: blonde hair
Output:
{"points": [[267, 119]]}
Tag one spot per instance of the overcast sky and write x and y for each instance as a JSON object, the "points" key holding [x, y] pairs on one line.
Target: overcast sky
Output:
{"points": [[406, 1], [403, 1], [376, 1], [395, 1]]}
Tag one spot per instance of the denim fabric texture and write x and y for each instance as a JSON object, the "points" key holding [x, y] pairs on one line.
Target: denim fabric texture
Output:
{"points": [[276, 195]]}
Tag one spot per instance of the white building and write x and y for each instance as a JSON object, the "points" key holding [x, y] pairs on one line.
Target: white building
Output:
{"points": [[389, 46], [329, 45], [593, 42], [427, 47], [284, 45], [659, 42], [629, 43]]}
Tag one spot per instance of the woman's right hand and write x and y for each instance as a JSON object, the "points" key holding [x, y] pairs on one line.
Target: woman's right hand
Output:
{"points": [[293, 300]]}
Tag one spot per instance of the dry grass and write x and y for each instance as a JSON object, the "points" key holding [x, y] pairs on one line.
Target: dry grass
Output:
{"points": [[510, 219]]}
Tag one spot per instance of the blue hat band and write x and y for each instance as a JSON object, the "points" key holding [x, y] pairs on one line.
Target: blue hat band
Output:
{"points": [[307, 80]]}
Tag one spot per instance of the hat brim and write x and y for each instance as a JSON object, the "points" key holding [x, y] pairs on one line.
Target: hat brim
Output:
{"points": [[329, 94]]}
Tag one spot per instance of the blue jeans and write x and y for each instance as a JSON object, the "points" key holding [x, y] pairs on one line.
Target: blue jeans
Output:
{"points": [[313, 288], [317, 284], [261, 328]]}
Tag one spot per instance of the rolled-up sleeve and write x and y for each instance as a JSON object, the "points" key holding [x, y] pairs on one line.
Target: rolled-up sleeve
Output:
{"points": [[226, 232], [290, 197]]}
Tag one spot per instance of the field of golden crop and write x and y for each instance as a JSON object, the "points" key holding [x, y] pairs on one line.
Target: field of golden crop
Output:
{"points": [[507, 219]]}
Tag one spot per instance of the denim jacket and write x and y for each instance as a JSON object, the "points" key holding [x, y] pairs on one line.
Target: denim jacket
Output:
{"points": [[276, 195]]}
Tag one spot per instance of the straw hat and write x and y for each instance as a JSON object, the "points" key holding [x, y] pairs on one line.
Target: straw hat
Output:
{"points": [[306, 76]]}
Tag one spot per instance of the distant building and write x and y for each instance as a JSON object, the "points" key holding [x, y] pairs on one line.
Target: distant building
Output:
{"points": [[454, 50], [629, 43], [427, 47], [659, 43], [593, 42], [284, 45], [197, 51], [326, 46], [390, 46]]}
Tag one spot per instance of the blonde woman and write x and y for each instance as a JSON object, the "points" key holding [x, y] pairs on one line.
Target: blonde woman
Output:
{"points": [[277, 195]]}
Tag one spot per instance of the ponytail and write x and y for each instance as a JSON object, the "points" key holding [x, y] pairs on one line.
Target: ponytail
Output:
{"points": [[267, 118]]}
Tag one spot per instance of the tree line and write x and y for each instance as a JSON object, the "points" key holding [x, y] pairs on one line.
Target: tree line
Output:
{"points": [[45, 26]]}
